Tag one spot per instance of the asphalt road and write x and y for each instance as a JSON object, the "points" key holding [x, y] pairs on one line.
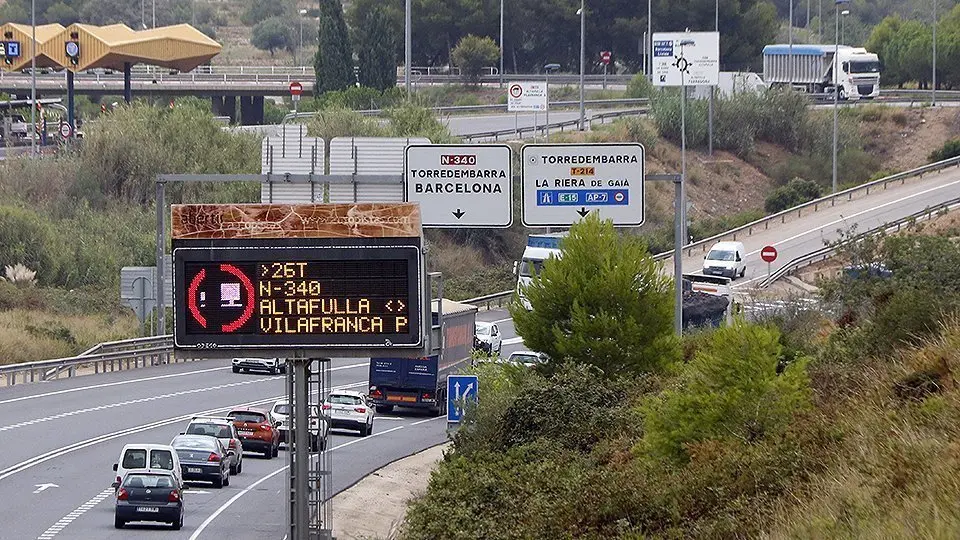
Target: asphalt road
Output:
{"points": [[461, 125], [70, 432]]}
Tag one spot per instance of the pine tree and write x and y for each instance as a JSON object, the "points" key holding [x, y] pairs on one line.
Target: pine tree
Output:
{"points": [[334, 60], [377, 51]]}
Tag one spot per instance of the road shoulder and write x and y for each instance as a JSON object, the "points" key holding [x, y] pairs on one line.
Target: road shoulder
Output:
{"points": [[375, 507]]}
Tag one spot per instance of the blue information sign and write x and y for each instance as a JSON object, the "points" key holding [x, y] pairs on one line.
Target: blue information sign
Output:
{"points": [[580, 197]]}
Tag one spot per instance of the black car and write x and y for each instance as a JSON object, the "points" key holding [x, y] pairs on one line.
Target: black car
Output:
{"points": [[149, 496], [203, 458]]}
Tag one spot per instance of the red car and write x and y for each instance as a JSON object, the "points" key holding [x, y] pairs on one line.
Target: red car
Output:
{"points": [[256, 432]]}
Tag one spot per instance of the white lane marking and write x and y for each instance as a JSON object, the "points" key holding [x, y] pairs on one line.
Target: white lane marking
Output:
{"points": [[841, 220], [427, 420], [44, 487], [246, 490], [47, 456], [501, 321], [107, 385], [79, 511], [128, 402], [513, 340]]}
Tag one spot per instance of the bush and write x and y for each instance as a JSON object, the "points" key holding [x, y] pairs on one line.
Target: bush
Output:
{"points": [[639, 130], [796, 192], [408, 120], [639, 87], [26, 238], [342, 122], [732, 390], [949, 149], [472, 54], [360, 98]]}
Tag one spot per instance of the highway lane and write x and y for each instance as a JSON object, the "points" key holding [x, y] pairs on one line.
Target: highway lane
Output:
{"points": [[70, 432], [461, 125]]}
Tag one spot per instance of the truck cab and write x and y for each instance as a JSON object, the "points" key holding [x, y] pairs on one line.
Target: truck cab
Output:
{"points": [[540, 247]]}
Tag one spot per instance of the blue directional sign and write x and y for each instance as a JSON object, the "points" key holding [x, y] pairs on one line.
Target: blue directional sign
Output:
{"points": [[553, 197], [460, 390]]}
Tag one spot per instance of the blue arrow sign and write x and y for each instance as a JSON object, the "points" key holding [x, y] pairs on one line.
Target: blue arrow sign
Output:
{"points": [[460, 390]]}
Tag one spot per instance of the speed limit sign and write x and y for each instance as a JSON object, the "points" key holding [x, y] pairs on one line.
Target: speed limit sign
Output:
{"points": [[65, 130]]}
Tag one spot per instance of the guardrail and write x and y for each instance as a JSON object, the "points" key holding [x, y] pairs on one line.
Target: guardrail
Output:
{"points": [[496, 107], [827, 252], [518, 132], [813, 206]]}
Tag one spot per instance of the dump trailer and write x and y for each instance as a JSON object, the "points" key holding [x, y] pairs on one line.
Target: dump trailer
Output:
{"points": [[421, 382], [820, 69]]}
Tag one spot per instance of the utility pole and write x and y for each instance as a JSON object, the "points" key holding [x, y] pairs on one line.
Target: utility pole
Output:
{"points": [[407, 48], [501, 43], [583, 27], [33, 78], [933, 87]]}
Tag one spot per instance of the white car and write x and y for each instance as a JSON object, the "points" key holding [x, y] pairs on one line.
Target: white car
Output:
{"points": [[526, 358], [147, 458], [726, 259], [487, 338], [350, 410], [280, 416], [270, 365]]}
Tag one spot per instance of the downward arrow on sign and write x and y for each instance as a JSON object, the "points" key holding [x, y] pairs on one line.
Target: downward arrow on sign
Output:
{"points": [[459, 213], [583, 212]]}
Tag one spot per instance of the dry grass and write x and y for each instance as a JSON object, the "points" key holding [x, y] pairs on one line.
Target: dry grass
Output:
{"points": [[28, 336]]}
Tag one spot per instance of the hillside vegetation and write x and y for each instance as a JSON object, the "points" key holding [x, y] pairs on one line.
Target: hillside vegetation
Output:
{"points": [[801, 425]]}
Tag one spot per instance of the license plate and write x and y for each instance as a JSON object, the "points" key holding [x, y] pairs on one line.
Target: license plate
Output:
{"points": [[194, 470], [148, 509], [245, 433], [406, 399]]}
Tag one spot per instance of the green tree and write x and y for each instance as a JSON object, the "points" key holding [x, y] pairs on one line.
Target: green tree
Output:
{"points": [[472, 54], [731, 389], [376, 51], [258, 11], [272, 34], [333, 62], [603, 302], [14, 12], [61, 13]]}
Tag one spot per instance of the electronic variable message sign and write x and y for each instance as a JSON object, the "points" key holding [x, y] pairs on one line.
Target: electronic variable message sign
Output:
{"points": [[297, 292], [304, 296]]}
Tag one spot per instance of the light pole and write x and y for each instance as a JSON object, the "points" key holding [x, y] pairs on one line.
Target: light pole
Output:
{"points": [[790, 43], [33, 78], [154, 13], [713, 89], [501, 43], [843, 25], [683, 152], [649, 41], [933, 87], [296, 59], [836, 85], [819, 21], [547, 69], [407, 48], [583, 25]]}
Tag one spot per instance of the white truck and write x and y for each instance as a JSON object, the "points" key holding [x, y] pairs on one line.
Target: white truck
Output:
{"points": [[814, 69], [540, 247], [732, 83]]}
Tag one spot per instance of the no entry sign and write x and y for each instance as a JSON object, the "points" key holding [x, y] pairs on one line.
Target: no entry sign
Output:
{"points": [[768, 254], [296, 88]]}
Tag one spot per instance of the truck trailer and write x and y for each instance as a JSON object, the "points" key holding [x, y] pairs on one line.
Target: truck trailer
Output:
{"points": [[814, 69], [421, 382]]}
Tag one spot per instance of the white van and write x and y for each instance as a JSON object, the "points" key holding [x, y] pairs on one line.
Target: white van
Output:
{"points": [[726, 259], [144, 457]]}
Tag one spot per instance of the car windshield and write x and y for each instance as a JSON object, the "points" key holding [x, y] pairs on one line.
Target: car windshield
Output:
{"points": [[721, 255], [343, 399], [525, 358], [148, 481], [214, 430], [282, 408], [530, 267], [483, 330], [254, 418], [161, 459], [135, 459], [865, 67]]}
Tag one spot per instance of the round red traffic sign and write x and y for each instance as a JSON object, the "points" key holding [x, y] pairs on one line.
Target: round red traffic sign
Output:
{"points": [[768, 254], [605, 57], [65, 130], [516, 90], [296, 88]]}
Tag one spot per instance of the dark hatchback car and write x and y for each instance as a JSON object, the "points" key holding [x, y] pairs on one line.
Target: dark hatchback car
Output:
{"points": [[203, 458], [149, 496]]}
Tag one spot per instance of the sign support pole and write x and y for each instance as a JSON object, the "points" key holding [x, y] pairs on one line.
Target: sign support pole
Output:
{"points": [[299, 482], [161, 243], [678, 204]]}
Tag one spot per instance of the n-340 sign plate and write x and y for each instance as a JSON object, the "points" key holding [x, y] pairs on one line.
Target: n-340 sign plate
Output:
{"points": [[459, 185], [563, 183]]}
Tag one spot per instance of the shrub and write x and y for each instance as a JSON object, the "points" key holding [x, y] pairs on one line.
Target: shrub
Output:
{"points": [[472, 54], [408, 120], [639, 130], [731, 390], [639, 87], [342, 122], [26, 239], [360, 98], [949, 149], [797, 191]]}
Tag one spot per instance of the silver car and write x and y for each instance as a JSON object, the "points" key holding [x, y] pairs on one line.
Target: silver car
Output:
{"points": [[270, 365], [280, 416]]}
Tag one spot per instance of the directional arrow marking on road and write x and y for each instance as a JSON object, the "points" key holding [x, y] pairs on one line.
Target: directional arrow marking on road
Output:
{"points": [[44, 487]]}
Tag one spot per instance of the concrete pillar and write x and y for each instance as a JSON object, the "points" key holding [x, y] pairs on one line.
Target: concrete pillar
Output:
{"points": [[127, 87], [230, 108], [251, 110]]}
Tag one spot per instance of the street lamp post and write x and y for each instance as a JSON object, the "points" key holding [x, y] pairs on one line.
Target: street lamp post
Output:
{"points": [[790, 43], [296, 59], [683, 153], [843, 25], [583, 25], [933, 87], [407, 48], [713, 89], [501, 43], [836, 85], [547, 69], [33, 77]]}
